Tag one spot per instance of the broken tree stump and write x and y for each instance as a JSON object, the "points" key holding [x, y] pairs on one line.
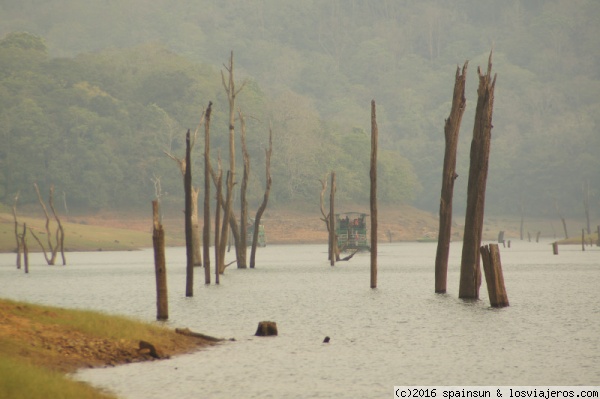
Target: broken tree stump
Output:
{"points": [[494, 278], [266, 329], [555, 248], [160, 267]]}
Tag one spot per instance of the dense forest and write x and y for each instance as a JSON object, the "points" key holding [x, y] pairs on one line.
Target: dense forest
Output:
{"points": [[93, 93]]}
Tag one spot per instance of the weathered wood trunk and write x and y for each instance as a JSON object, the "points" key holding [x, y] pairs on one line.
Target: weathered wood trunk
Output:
{"points": [[263, 205], [583, 240], [373, 194], [332, 238], [17, 236], [555, 248], [219, 185], [160, 266], [451, 132], [206, 221], [225, 224], [470, 271], [242, 248], [493, 275], [25, 249], [189, 246]]}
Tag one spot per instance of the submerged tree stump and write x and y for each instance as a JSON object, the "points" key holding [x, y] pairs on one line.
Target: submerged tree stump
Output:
{"points": [[266, 329], [494, 278]]}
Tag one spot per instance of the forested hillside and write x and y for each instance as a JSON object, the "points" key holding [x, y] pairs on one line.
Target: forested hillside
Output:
{"points": [[91, 97]]}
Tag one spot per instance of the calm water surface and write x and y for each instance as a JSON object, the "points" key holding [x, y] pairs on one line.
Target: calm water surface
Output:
{"points": [[398, 334]]}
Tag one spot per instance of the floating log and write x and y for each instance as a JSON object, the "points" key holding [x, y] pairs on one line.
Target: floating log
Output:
{"points": [[494, 278], [266, 329]]}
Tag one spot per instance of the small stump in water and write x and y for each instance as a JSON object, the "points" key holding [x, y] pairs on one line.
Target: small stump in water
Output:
{"points": [[266, 329]]}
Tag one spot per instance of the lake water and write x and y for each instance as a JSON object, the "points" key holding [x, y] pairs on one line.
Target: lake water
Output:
{"points": [[401, 333]]}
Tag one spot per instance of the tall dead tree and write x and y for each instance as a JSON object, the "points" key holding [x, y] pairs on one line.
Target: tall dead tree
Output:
{"points": [[225, 225], [263, 205], [17, 237], [189, 248], [181, 162], [332, 238], [451, 132], [58, 243], [206, 227], [219, 185], [470, 270], [373, 196], [586, 205], [241, 249], [562, 219], [232, 92]]}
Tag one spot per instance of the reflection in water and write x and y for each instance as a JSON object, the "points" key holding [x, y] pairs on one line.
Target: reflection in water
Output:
{"points": [[398, 334]]}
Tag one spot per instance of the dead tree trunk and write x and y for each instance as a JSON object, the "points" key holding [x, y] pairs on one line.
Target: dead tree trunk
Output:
{"points": [[17, 237], [241, 249], [586, 205], [470, 271], [373, 195], [206, 227], [325, 216], [562, 219], [25, 249], [493, 275], [332, 238], [263, 205], [189, 248], [195, 224], [451, 132], [225, 225], [60, 235], [232, 93], [583, 240], [160, 266], [219, 185]]}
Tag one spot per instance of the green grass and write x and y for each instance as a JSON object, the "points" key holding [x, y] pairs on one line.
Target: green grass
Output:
{"points": [[21, 380], [33, 366]]}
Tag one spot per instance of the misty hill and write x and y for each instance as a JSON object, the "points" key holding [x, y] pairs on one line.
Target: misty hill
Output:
{"points": [[90, 102]]}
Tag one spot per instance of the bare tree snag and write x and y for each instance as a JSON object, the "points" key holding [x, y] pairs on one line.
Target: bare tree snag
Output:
{"points": [[562, 219], [263, 205], [17, 237], [241, 249], [60, 239], [160, 267], [231, 95], [451, 132], [206, 227], [25, 249], [583, 240], [373, 196], [555, 248], [586, 205], [189, 249], [470, 271], [181, 162], [493, 275], [219, 185], [225, 224], [325, 215], [59, 236], [332, 239]]}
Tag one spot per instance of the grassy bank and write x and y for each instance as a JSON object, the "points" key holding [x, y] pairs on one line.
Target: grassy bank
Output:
{"points": [[39, 345], [81, 235]]}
